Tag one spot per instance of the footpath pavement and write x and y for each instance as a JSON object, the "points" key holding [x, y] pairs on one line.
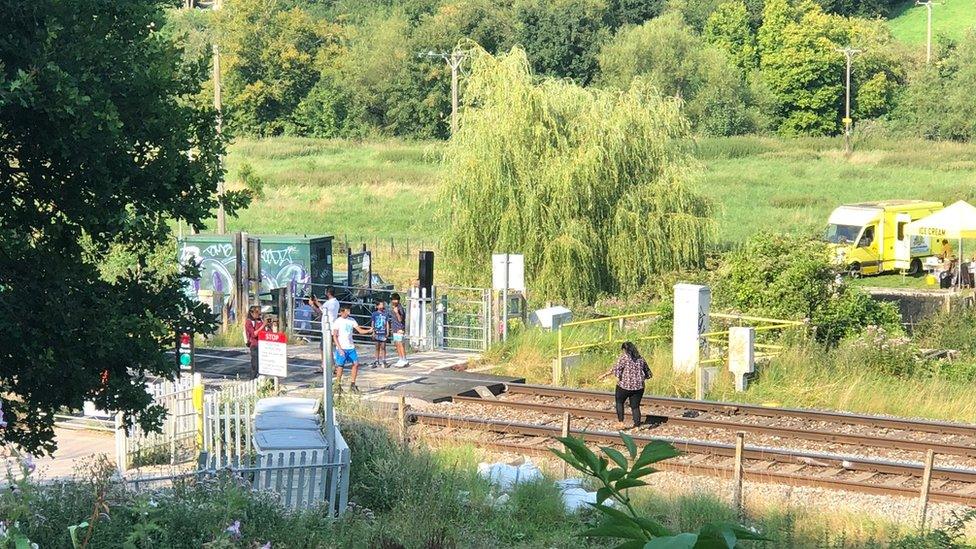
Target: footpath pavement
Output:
{"points": [[431, 375]]}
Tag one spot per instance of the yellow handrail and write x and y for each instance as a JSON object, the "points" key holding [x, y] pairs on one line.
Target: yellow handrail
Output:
{"points": [[609, 318], [729, 316]]}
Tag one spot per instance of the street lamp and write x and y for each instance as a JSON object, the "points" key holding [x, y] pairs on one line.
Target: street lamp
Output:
{"points": [[849, 53], [928, 27]]}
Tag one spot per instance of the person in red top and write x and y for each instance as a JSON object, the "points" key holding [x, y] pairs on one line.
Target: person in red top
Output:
{"points": [[252, 325], [630, 370]]}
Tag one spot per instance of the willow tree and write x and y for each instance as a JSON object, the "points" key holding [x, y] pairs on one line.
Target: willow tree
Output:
{"points": [[591, 185]]}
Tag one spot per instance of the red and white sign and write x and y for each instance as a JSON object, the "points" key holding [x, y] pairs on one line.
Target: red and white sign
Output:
{"points": [[273, 354]]}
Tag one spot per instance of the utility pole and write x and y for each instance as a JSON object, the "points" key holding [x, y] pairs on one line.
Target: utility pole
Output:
{"points": [[849, 53], [928, 27], [221, 215], [453, 60]]}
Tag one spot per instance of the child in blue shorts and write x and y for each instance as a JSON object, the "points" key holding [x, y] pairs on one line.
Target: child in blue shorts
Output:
{"points": [[345, 348]]}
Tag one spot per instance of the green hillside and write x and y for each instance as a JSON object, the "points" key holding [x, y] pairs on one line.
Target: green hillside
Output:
{"points": [[951, 18]]}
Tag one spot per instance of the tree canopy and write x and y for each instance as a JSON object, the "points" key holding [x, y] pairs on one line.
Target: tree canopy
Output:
{"points": [[592, 185], [348, 69], [100, 148]]}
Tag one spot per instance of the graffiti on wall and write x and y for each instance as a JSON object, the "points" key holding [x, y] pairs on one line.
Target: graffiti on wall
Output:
{"points": [[281, 264]]}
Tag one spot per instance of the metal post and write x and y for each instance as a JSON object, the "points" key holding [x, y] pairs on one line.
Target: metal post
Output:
{"points": [[565, 433], [327, 372], [433, 318], [923, 503], [559, 354], [737, 472], [402, 419], [699, 383], [505, 304]]}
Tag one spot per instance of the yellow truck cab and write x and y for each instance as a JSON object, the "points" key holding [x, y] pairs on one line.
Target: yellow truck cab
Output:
{"points": [[869, 237]]}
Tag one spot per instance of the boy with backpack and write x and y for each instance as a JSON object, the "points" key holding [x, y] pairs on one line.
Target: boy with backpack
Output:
{"points": [[381, 329]]}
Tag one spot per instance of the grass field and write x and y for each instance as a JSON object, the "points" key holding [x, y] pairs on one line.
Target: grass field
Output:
{"points": [[951, 18], [344, 188], [366, 191]]}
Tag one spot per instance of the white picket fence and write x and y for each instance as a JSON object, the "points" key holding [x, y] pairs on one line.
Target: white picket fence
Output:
{"points": [[306, 478], [302, 478], [228, 430], [174, 443]]}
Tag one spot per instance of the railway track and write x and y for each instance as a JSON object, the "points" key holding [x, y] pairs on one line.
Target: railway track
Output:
{"points": [[733, 409], [677, 419], [798, 468]]}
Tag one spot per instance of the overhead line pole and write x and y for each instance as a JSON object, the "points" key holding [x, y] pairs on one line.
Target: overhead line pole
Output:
{"points": [[221, 215], [849, 53], [454, 59]]}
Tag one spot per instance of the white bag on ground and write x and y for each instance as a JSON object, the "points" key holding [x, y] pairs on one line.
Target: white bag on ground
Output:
{"points": [[505, 476], [575, 497]]}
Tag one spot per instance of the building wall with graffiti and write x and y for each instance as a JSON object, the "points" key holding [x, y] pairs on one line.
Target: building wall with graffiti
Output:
{"points": [[300, 260]]}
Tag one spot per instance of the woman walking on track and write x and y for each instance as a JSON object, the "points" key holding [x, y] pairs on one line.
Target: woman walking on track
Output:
{"points": [[630, 370]]}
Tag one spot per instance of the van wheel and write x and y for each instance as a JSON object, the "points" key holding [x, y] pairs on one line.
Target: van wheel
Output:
{"points": [[854, 270], [915, 268]]}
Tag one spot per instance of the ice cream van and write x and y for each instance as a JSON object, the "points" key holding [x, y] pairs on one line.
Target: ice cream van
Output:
{"points": [[869, 237]]}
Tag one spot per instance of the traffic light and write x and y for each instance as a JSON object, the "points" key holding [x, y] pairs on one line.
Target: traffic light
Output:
{"points": [[184, 352]]}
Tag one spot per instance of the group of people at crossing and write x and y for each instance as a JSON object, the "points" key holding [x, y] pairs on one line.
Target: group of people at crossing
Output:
{"points": [[386, 325]]}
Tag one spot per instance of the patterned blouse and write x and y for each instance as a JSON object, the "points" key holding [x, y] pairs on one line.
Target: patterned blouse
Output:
{"points": [[630, 373]]}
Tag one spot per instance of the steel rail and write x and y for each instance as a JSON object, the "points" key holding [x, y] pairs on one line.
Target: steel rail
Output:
{"points": [[770, 430], [827, 461], [732, 408]]}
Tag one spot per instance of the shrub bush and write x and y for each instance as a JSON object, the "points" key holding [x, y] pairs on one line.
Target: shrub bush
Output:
{"points": [[884, 352], [791, 277]]}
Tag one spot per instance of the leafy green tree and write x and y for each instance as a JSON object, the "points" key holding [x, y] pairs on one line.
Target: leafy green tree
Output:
{"points": [[666, 53], [633, 12], [328, 111], [395, 91], [938, 101], [101, 150], [591, 185], [694, 12], [728, 28], [487, 23], [271, 57], [561, 37], [802, 69], [777, 16], [879, 70], [859, 8]]}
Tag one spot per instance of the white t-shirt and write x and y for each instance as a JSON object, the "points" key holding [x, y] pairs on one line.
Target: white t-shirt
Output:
{"points": [[343, 328], [331, 307]]}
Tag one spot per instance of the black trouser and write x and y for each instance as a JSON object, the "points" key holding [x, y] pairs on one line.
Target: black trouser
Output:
{"points": [[620, 395], [254, 362]]}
